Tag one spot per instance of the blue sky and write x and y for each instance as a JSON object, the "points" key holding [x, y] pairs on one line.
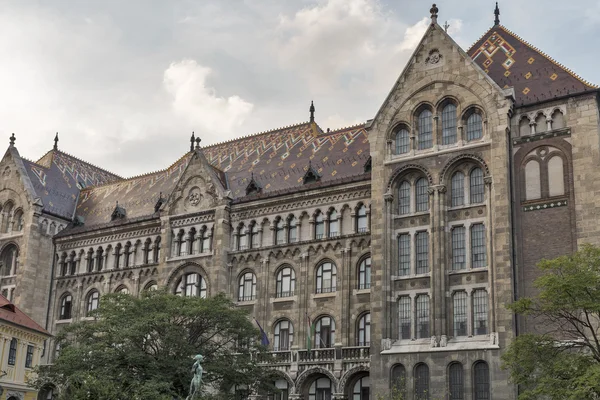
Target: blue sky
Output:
{"points": [[125, 83]]}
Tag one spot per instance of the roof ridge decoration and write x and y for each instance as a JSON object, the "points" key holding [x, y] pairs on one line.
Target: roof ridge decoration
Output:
{"points": [[77, 159], [253, 135]]}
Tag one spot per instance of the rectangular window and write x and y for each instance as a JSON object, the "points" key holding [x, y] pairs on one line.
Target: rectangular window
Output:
{"points": [[459, 253], [404, 316], [425, 130], [29, 357], [404, 198], [422, 316], [460, 313], [12, 352], [480, 312], [449, 124], [458, 189], [422, 253], [404, 254], [478, 256]]}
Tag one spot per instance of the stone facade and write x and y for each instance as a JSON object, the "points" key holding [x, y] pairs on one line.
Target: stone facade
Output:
{"points": [[400, 240]]}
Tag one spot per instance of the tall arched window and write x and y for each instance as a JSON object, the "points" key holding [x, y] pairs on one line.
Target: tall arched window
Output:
{"points": [[147, 251], [364, 274], [402, 141], [334, 224], [92, 301], [421, 382], [319, 225], [190, 240], [477, 186], [364, 330], [324, 332], [556, 178], [422, 196], [456, 381], [90, 260], [156, 250], [361, 219], [326, 278], [254, 235], [474, 127], [404, 317], [398, 378], [449, 124], [422, 316], [66, 303], [292, 229], [12, 352], [191, 284], [558, 120], [458, 189], [247, 287], [425, 137], [321, 389], [285, 282], [480, 312], [459, 309], [404, 198], [72, 263], [481, 381], [242, 237], [180, 243], [151, 286], [9, 258], [533, 184], [18, 224], [8, 218], [127, 254], [99, 259], [361, 389], [284, 335]]}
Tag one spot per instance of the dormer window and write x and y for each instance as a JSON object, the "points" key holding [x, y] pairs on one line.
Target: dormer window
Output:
{"points": [[253, 187], [118, 213], [311, 175]]}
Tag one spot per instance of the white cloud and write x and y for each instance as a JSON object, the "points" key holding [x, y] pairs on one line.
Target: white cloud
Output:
{"points": [[185, 81], [414, 34]]}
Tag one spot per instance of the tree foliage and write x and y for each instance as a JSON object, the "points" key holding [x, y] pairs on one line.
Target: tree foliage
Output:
{"points": [[142, 348], [562, 360]]}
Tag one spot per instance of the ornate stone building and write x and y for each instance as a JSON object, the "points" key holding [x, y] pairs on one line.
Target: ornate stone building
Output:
{"points": [[400, 240]]}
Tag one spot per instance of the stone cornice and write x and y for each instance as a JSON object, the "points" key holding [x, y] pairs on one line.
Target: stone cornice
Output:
{"points": [[98, 239]]}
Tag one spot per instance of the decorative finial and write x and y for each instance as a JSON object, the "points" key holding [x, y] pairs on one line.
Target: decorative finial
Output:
{"points": [[56, 141], [434, 14], [197, 143], [312, 111], [446, 26], [497, 14], [12, 140], [192, 142]]}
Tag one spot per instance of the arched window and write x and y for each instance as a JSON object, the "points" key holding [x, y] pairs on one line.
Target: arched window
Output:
{"points": [[459, 301], [402, 141], [285, 282], [151, 286], [404, 317], [326, 278], [92, 301], [480, 312], [404, 198], [558, 120], [72, 263], [481, 381], [425, 137], [44, 227], [127, 255], [361, 219], [533, 184], [118, 255], [398, 378], [204, 240], [540, 123], [421, 382], [180, 243], [320, 389], [422, 196], [477, 186], [242, 238], [191, 285], [292, 229], [52, 230], [459, 251], [422, 316], [9, 258], [458, 189], [90, 260], [63, 265], [284, 390], [324, 332], [456, 381], [147, 251], [478, 247], [156, 250], [190, 240], [334, 224], [364, 274], [449, 124], [361, 390], [364, 330], [12, 352], [18, 224], [556, 179], [247, 287], [524, 127], [319, 225], [474, 127], [122, 290], [8, 218], [254, 236], [279, 231], [65, 307], [100, 258], [284, 335]]}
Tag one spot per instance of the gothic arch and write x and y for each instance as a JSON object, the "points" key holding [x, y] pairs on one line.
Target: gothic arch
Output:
{"points": [[176, 274], [459, 158], [288, 379], [347, 377], [300, 381], [404, 168]]}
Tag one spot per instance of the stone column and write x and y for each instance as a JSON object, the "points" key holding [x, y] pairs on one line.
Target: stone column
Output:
{"points": [[490, 254], [386, 275], [346, 293], [435, 272], [436, 134]]}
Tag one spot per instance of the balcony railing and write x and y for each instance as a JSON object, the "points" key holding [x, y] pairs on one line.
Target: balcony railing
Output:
{"points": [[356, 354]]}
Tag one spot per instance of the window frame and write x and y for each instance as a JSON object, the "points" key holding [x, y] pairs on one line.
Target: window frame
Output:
{"points": [[277, 329], [92, 301], [66, 307], [425, 129], [12, 352], [332, 270], [29, 356], [364, 273], [319, 325], [247, 278], [449, 123], [280, 280], [363, 337], [182, 285]]}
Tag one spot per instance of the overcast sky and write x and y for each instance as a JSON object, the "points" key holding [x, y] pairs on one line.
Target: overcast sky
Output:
{"points": [[126, 82]]}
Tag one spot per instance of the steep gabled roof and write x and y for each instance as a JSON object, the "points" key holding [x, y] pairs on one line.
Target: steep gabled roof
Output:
{"points": [[13, 315], [512, 62], [57, 178]]}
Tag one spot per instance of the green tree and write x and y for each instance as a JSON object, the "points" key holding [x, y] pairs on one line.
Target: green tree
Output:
{"points": [[142, 348], [562, 361]]}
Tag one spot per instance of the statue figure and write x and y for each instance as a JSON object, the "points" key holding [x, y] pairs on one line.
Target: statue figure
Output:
{"points": [[197, 378]]}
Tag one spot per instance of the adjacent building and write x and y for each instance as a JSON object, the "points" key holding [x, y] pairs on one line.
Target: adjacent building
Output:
{"points": [[399, 240]]}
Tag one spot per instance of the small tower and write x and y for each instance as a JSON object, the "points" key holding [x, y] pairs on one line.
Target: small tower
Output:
{"points": [[312, 111], [56, 141], [497, 15]]}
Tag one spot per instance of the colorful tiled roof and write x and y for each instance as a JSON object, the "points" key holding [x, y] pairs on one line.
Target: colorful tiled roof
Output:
{"points": [[279, 159], [512, 62], [13, 315], [57, 178]]}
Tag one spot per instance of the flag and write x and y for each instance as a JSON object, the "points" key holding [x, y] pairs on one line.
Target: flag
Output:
{"points": [[309, 333], [264, 339]]}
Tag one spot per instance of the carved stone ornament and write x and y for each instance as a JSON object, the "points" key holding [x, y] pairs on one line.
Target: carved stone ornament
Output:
{"points": [[434, 57], [195, 197]]}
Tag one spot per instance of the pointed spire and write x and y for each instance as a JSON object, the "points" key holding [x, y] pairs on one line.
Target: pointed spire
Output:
{"points": [[12, 140], [434, 13], [312, 111], [192, 139], [56, 141], [497, 14]]}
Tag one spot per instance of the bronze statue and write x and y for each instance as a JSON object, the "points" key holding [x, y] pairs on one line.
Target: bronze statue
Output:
{"points": [[197, 378]]}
